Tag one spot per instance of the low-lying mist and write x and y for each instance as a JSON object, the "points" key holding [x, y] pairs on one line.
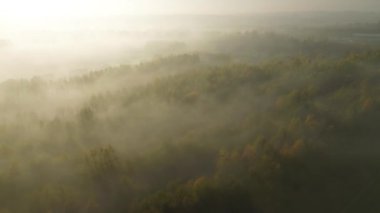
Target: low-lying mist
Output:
{"points": [[65, 47], [191, 114]]}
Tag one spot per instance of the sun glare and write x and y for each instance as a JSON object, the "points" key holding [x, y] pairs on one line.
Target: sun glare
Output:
{"points": [[21, 9], [35, 13]]}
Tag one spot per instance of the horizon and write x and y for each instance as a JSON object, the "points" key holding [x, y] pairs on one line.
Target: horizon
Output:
{"points": [[23, 9]]}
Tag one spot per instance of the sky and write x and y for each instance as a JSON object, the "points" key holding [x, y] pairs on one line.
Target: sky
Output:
{"points": [[67, 8], [253, 6]]}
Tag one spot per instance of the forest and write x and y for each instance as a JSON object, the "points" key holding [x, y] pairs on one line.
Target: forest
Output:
{"points": [[242, 121]]}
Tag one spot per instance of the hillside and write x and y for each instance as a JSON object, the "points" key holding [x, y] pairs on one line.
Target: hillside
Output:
{"points": [[196, 133]]}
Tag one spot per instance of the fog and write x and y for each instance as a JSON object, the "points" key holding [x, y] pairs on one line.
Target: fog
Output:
{"points": [[189, 106], [60, 38], [62, 46]]}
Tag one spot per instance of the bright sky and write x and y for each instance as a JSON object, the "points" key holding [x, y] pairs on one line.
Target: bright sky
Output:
{"points": [[35, 8], [34, 12]]}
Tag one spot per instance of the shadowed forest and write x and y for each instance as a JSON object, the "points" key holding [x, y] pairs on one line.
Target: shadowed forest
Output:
{"points": [[241, 120]]}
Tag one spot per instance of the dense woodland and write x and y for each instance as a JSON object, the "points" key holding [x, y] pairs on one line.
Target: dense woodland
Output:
{"points": [[251, 122]]}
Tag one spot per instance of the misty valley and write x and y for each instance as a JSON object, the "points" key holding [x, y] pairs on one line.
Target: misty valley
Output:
{"points": [[192, 114]]}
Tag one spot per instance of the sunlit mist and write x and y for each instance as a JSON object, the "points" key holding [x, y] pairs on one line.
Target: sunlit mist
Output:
{"points": [[189, 106]]}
